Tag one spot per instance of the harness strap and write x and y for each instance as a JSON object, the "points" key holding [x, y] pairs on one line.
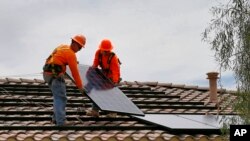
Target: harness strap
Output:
{"points": [[109, 59], [107, 70], [53, 68]]}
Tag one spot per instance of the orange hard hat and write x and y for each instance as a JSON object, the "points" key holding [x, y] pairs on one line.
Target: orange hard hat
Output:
{"points": [[80, 39], [106, 45]]}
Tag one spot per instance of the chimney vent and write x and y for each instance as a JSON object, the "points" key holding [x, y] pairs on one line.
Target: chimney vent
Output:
{"points": [[212, 77]]}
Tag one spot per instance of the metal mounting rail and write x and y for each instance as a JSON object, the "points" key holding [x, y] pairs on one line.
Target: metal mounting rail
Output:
{"points": [[46, 92], [176, 107], [35, 87], [88, 105], [47, 104], [152, 96], [142, 92], [132, 88], [34, 113], [38, 113], [77, 127], [196, 131], [48, 118], [142, 105], [169, 102], [77, 93], [20, 89], [84, 101], [68, 87], [8, 100], [32, 93], [22, 86]]}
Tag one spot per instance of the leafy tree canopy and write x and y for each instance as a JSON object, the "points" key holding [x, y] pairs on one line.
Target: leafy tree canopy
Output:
{"points": [[229, 36]]}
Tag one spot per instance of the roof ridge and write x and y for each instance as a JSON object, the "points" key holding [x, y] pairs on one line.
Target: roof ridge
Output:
{"points": [[156, 83], [21, 80], [140, 83]]}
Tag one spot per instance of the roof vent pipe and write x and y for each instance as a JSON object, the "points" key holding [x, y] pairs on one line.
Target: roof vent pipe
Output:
{"points": [[212, 77]]}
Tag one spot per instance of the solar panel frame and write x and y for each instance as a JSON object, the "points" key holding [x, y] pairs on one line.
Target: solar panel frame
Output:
{"points": [[103, 93], [187, 123], [183, 121]]}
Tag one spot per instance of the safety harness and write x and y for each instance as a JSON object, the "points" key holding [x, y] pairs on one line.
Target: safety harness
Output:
{"points": [[106, 71], [53, 68]]}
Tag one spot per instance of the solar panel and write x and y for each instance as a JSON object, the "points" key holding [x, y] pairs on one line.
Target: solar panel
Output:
{"points": [[103, 93], [184, 121]]}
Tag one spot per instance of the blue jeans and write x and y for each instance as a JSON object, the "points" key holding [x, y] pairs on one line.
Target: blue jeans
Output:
{"points": [[58, 88]]}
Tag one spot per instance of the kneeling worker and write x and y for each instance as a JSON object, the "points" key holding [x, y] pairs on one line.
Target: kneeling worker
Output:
{"points": [[109, 65]]}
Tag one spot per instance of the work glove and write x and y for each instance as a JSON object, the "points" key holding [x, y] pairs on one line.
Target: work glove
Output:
{"points": [[116, 84], [83, 91]]}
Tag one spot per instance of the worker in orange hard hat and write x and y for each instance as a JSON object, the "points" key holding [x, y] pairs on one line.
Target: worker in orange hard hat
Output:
{"points": [[109, 64], [54, 70]]}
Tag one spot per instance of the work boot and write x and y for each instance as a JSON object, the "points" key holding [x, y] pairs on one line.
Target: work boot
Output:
{"points": [[112, 115], [68, 123], [93, 113], [53, 121]]}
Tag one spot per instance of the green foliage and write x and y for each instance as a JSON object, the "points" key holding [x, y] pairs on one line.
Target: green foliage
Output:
{"points": [[229, 36], [242, 106]]}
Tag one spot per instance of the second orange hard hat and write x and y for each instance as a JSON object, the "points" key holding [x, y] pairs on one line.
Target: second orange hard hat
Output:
{"points": [[106, 45]]}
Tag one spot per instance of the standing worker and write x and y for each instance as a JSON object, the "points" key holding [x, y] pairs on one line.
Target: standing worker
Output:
{"points": [[110, 66], [54, 70]]}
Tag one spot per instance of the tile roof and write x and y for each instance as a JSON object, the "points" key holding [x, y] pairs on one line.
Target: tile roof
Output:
{"points": [[26, 109]]}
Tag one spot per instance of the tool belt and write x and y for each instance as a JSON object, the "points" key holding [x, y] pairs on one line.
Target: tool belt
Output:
{"points": [[53, 68], [49, 78]]}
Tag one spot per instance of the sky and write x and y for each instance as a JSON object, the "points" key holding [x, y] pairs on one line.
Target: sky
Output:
{"points": [[156, 40]]}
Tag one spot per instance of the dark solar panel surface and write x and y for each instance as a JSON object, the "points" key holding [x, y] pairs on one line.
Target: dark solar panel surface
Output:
{"points": [[104, 94]]}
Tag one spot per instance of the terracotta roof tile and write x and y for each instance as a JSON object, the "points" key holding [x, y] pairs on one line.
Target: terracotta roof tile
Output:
{"points": [[3, 81], [106, 136], [191, 87], [42, 137], [149, 83], [57, 136], [165, 84], [170, 137], [13, 80], [203, 88], [186, 137], [201, 137], [155, 104], [39, 81], [74, 137], [24, 136], [26, 81], [178, 85], [137, 136], [122, 136], [130, 83], [91, 137]]}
